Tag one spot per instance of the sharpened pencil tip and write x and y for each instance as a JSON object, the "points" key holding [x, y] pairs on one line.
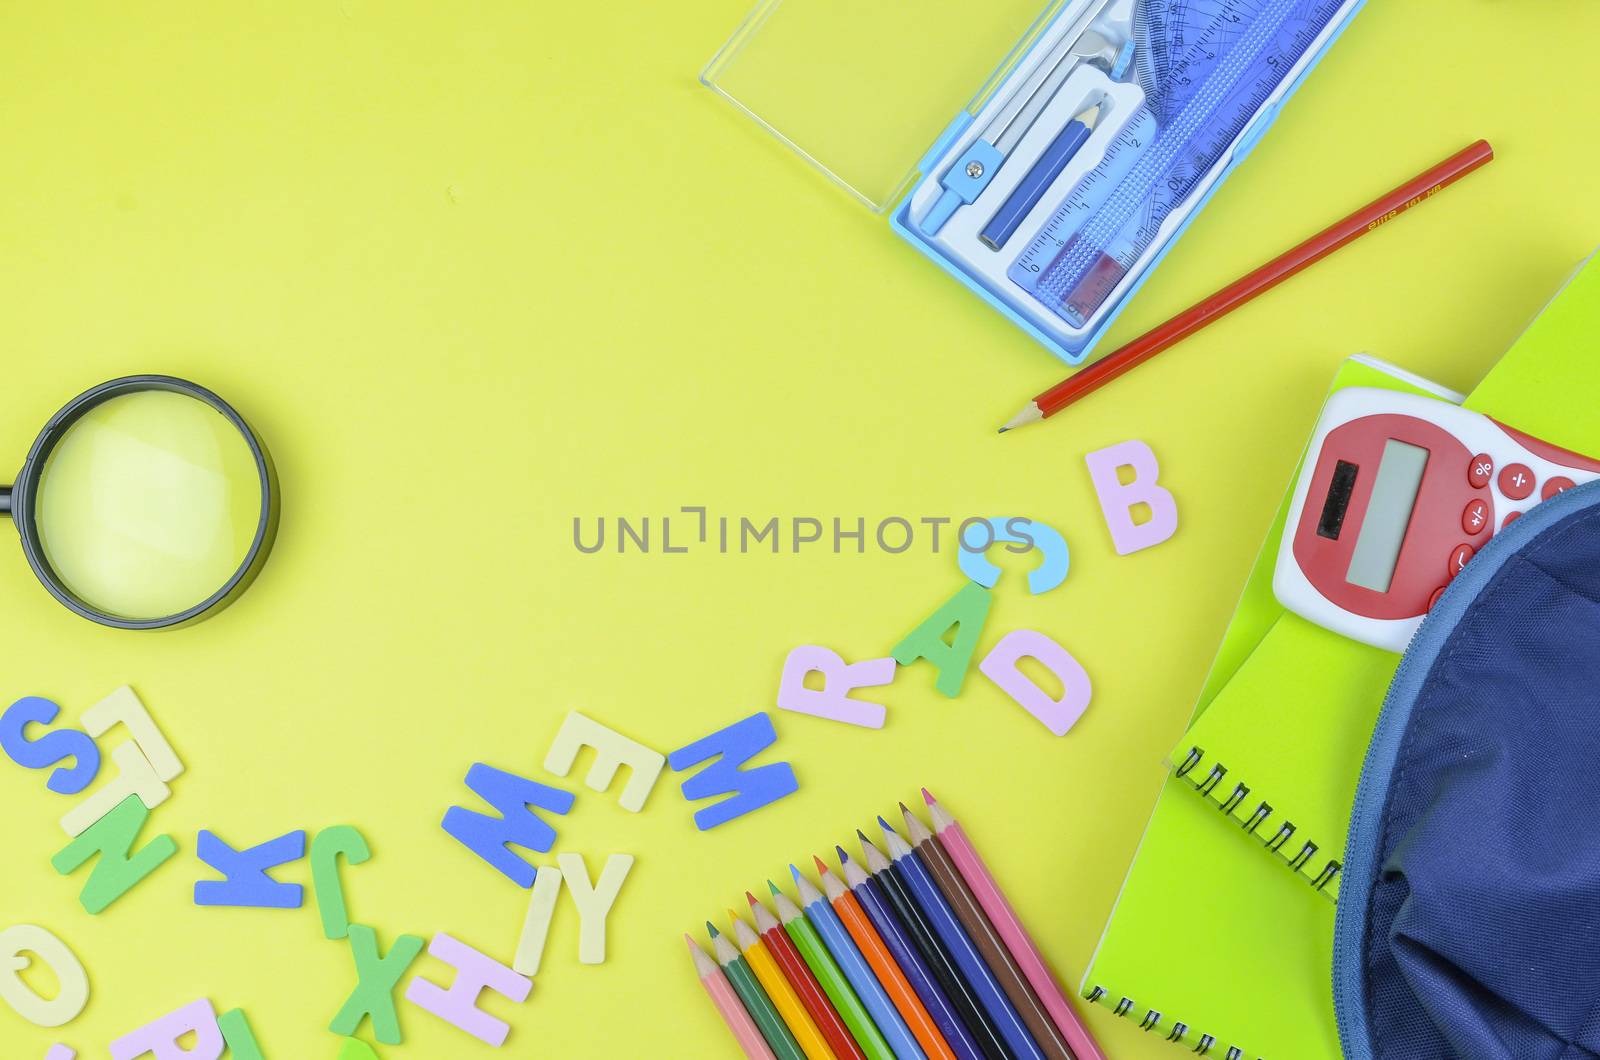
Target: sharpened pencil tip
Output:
{"points": [[1003, 430], [885, 825], [904, 808], [794, 872], [751, 899], [711, 929], [862, 835], [927, 797], [822, 866], [772, 887], [839, 850]]}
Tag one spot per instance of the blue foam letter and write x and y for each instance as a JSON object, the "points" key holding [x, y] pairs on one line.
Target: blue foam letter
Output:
{"points": [[50, 748], [245, 880], [1052, 568], [750, 789], [490, 837]]}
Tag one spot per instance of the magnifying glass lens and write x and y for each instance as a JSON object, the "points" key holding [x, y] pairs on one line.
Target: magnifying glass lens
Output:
{"points": [[148, 504]]}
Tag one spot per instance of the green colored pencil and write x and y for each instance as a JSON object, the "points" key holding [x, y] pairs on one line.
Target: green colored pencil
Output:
{"points": [[834, 984], [755, 999]]}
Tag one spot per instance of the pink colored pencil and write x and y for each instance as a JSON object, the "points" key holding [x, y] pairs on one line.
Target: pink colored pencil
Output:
{"points": [[1016, 937], [739, 1022]]}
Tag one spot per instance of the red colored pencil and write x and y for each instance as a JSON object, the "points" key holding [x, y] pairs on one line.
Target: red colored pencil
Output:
{"points": [[1385, 208], [805, 984]]}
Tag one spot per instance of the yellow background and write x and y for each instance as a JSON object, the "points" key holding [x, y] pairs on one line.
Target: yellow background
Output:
{"points": [[475, 269]]}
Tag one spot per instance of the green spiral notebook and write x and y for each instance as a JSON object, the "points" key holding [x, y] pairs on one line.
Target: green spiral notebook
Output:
{"points": [[1211, 945], [1214, 943]]}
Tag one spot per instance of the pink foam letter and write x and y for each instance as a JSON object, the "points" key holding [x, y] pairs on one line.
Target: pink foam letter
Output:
{"points": [[1117, 500], [839, 679], [1000, 666], [474, 974], [160, 1038]]}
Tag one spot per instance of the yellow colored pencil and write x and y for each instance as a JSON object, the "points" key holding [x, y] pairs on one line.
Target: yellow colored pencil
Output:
{"points": [[783, 997]]}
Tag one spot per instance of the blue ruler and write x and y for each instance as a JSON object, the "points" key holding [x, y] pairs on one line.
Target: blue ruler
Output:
{"points": [[1216, 64]]}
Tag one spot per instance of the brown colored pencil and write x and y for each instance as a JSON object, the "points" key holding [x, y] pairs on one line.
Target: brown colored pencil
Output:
{"points": [[965, 904]]}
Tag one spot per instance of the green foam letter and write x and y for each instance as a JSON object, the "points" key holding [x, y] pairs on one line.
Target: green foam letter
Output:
{"points": [[965, 611], [376, 977], [112, 837], [325, 851]]}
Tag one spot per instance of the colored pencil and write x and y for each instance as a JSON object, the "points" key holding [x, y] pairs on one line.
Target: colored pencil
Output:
{"points": [[866, 897], [983, 935], [733, 1012], [804, 981], [854, 965], [834, 983], [955, 842], [756, 1002], [1384, 208], [779, 990], [962, 949], [933, 951]]}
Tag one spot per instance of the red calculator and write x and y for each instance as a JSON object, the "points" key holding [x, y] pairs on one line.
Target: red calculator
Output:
{"points": [[1397, 493]]}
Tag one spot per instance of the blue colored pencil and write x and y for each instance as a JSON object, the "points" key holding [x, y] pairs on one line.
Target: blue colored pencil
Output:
{"points": [[855, 968], [939, 960], [918, 974], [971, 963]]}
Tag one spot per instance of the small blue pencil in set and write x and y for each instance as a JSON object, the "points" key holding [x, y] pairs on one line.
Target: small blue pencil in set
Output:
{"points": [[1050, 165]]}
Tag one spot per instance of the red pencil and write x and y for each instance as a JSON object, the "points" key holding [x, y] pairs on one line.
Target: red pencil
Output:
{"points": [[805, 984], [1385, 208]]}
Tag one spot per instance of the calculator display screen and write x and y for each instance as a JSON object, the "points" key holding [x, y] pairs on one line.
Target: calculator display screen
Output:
{"points": [[1394, 495]]}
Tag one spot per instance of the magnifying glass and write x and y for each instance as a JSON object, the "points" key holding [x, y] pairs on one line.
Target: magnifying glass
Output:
{"points": [[146, 502]]}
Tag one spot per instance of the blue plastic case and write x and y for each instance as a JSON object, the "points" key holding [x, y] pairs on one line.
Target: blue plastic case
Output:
{"points": [[847, 86]]}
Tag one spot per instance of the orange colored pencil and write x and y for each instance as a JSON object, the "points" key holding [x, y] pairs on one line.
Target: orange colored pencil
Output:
{"points": [[883, 965]]}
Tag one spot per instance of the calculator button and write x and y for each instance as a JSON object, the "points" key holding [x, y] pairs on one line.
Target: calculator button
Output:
{"points": [[1553, 486], [1516, 481], [1509, 519], [1480, 470], [1476, 517], [1458, 559]]}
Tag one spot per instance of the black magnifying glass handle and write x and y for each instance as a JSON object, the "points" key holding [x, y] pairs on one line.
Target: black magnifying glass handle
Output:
{"points": [[5, 500]]}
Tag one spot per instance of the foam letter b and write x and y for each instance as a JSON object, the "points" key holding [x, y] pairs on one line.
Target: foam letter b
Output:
{"points": [[1117, 500]]}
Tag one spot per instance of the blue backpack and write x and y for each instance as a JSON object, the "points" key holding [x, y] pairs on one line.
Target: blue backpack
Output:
{"points": [[1469, 914]]}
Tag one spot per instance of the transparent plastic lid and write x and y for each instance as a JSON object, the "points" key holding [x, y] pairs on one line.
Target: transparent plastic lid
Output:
{"points": [[862, 88]]}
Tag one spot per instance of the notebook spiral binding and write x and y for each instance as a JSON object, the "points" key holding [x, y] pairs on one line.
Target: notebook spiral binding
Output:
{"points": [[1280, 840], [1178, 1035]]}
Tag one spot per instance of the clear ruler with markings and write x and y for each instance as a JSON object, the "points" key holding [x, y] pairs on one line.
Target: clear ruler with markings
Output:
{"points": [[1207, 68]]}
